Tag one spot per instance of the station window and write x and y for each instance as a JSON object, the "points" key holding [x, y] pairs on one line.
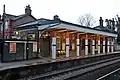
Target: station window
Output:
{"points": [[63, 46], [58, 43], [73, 46]]}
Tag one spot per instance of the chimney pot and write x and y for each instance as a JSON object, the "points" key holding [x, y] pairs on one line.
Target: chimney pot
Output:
{"points": [[28, 10], [101, 21], [56, 17]]}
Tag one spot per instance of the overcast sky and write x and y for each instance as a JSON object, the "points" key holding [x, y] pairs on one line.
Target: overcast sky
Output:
{"points": [[68, 10]]}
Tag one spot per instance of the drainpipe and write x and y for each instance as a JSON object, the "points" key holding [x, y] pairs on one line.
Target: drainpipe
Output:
{"points": [[37, 43], [27, 48]]}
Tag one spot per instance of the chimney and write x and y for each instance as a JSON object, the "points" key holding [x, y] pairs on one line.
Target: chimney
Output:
{"points": [[56, 17], [113, 24], [107, 22], [110, 24], [28, 10], [101, 21]]}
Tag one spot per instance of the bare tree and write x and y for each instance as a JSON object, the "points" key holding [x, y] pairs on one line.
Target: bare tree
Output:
{"points": [[86, 20], [118, 28]]}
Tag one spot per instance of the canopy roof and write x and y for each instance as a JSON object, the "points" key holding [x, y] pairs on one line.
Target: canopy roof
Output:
{"points": [[49, 24]]}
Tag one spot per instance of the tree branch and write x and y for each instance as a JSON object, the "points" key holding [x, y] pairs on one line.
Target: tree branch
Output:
{"points": [[86, 20]]}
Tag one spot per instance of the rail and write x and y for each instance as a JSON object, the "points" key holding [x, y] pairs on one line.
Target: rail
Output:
{"points": [[102, 77], [39, 68], [73, 72]]}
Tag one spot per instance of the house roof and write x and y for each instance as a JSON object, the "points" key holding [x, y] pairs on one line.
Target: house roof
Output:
{"points": [[104, 29], [10, 16], [14, 17], [19, 16]]}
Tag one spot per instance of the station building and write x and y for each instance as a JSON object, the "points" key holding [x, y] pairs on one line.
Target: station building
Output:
{"points": [[57, 38], [12, 21]]}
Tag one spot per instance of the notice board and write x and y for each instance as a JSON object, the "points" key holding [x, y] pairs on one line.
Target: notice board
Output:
{"points": [[12, 47]]}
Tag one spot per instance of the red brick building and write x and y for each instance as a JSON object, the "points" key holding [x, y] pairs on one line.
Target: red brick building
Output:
{"points": [[11, 21]]}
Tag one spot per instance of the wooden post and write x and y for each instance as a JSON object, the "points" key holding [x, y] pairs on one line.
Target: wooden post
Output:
{"points": [[108, 45], [103, 44], [53, 45], [93, 45], [98, 44], [86, 44], [67, 44], [78, 45], [112, 44]]}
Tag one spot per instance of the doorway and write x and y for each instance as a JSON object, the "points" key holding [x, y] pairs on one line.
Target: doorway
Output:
{"points": [[45, 47]]}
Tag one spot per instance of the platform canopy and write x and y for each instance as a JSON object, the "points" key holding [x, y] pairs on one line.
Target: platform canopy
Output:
{"points": [[78, 28]]}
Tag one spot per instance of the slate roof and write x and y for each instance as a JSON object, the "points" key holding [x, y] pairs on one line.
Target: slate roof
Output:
{"points": [[14, 17], [43, 21], [11, 16], [104, 29], [20, 16], [95, 28], [40, 21]]}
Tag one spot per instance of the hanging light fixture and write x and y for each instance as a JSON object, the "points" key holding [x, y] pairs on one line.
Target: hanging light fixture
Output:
{"points": [[45, 35]]}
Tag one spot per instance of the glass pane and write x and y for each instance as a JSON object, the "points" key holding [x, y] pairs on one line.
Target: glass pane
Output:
{"points": [[63, 46], [58, 44], [6, 25], [73, 46]]}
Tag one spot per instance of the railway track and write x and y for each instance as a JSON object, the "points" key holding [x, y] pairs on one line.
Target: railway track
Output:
{"points": [[107, 75], [72, 73]]}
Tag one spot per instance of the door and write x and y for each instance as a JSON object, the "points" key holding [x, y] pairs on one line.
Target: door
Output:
{"points": [[45, 47], [19, 51]]}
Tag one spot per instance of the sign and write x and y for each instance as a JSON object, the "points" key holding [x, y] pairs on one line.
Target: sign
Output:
{"points": [[35, 47], [12, 47]]}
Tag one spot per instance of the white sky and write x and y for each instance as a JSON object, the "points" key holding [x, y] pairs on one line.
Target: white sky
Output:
{"points": [[67, 10]]}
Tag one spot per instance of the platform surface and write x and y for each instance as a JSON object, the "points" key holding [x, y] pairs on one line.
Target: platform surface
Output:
{"points": [[45, 60]]}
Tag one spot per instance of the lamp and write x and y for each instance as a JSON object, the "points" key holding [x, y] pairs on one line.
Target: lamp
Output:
{"points": [[16, 32], [46, 34]]}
